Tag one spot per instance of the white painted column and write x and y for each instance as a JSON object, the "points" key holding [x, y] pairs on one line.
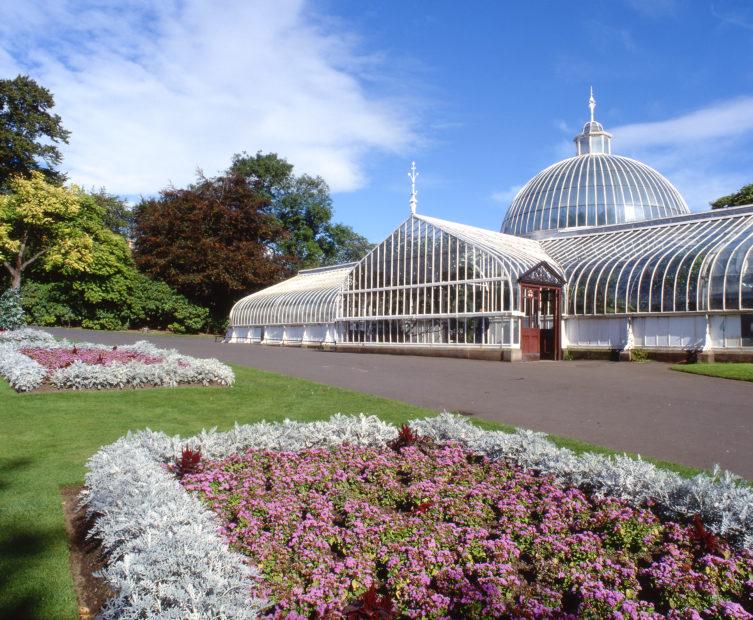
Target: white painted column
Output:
{"points": [[630, 338]]}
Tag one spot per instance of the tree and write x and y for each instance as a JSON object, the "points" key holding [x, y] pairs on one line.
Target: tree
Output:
{"points": [[213, 241], [743, 196], [41, 221], [344, 245], [29, 132], [118, 216], [303, 207]]}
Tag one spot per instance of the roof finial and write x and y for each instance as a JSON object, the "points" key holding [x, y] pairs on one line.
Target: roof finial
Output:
{"points": [[592, 104], [412, 176]]}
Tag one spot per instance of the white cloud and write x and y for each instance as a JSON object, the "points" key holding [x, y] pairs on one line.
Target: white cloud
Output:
{"points": [[506, 196], [705, 153], [728, 119], [151, 91]]}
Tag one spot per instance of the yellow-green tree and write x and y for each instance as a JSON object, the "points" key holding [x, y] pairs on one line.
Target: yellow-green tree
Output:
{"points": [[39, 223]]}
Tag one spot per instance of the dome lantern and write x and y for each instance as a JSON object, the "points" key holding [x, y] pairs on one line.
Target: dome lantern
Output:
{"points": [[593, 138], [593, 188]]}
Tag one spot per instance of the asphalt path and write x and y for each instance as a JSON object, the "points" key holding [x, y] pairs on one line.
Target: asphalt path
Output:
{"points": [[644, 408]]}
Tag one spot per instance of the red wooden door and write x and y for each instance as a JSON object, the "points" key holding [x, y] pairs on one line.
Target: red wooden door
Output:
{"points": [[539, 334], [530, 332]]}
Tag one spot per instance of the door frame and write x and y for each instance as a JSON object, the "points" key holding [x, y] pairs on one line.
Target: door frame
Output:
{"points": [[543, 276]]}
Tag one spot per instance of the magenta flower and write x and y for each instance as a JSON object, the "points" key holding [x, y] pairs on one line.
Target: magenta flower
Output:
{"points": [[54, 358], [431, 531]]}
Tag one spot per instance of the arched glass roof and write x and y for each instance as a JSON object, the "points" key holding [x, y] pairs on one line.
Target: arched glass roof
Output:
{"points": [[312, 296], [517, 254], [691, 263], [594, 188]]}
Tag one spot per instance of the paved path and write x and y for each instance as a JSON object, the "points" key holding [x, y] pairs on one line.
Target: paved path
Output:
{"points": [[643, 408]]}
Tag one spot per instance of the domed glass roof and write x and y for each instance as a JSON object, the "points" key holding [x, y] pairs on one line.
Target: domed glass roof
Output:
{"points": [[594, 188]]}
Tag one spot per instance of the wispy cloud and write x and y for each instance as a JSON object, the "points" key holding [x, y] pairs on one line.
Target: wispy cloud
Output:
{"points": [[151, 91], [705, 152], [727, 119], [654, 8], [506, 196], [738, 14]]}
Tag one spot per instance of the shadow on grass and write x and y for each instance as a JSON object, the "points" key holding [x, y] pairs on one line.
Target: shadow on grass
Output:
{"points": [[9, 467], [21, 544]]}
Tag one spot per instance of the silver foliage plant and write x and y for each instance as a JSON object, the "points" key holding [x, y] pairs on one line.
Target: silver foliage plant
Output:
{"points": [[24, 374], [26, 336], [166, 559]]}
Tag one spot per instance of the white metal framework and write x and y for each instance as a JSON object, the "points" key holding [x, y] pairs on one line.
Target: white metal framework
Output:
{"points": [[594, 188], [698, 262], [438, 282], [312, 297], [614, 253]]}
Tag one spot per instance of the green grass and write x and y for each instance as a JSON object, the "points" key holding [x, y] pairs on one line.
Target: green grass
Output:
{"points": [[46, 439], [738, 371]]}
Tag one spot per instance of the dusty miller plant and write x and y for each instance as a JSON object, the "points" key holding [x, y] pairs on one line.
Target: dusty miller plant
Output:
{"points": [[167, 561]]}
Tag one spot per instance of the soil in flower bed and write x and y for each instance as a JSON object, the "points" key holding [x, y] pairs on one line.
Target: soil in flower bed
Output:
{"points": [[423, 530], [86, 556]]}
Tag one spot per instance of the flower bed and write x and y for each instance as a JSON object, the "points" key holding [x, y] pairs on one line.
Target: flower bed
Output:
{"points": [[53, 359], [440, 532], [505, 517], [30, 359]]}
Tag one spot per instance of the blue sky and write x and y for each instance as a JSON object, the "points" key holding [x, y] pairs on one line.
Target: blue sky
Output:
{"points": [[482, 95]]}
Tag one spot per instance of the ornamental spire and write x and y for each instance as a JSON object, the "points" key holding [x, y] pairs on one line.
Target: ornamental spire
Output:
{"points": [[412, 176], [592, 104]]}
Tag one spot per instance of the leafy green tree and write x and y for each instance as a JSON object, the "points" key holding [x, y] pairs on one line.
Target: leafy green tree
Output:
{"points": [[118, 216], [303, 207], [29, 132], [40, 222], [110, 294], [212, 241], [743, 196], [342, 244]]}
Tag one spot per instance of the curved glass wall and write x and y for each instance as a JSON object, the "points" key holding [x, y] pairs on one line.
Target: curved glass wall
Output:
{"points": [[311, 297], [696, 263], [595, 189], [438, 282]]}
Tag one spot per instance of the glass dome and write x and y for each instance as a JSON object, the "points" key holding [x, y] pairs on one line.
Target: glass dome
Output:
{"points": [[594, 188]]}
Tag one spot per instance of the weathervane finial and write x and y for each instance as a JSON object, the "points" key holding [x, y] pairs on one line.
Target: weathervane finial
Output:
{"points": [[412, 176], [592, 104]]}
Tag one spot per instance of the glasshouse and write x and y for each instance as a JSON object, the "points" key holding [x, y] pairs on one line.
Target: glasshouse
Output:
{"points": [[598, 255]]}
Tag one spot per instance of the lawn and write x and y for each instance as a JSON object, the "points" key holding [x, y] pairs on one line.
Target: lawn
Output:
{"points": [[739, 371], [46, 438]]}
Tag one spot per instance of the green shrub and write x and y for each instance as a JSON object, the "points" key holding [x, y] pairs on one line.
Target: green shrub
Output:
{"points": [[135, 303], [104, 319], [638, 355], [11, 312], [48, 303], [156, 305]]}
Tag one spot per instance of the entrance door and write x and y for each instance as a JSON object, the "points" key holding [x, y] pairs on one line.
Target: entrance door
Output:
{"points": [[539, 335], [530, 332]]}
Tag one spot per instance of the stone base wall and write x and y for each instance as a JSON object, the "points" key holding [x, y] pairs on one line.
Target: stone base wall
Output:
{"points": [[671, 356], [475, 353]]}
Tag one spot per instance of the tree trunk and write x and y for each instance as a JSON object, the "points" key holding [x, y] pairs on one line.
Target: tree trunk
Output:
{"points": [[15, 276]]}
